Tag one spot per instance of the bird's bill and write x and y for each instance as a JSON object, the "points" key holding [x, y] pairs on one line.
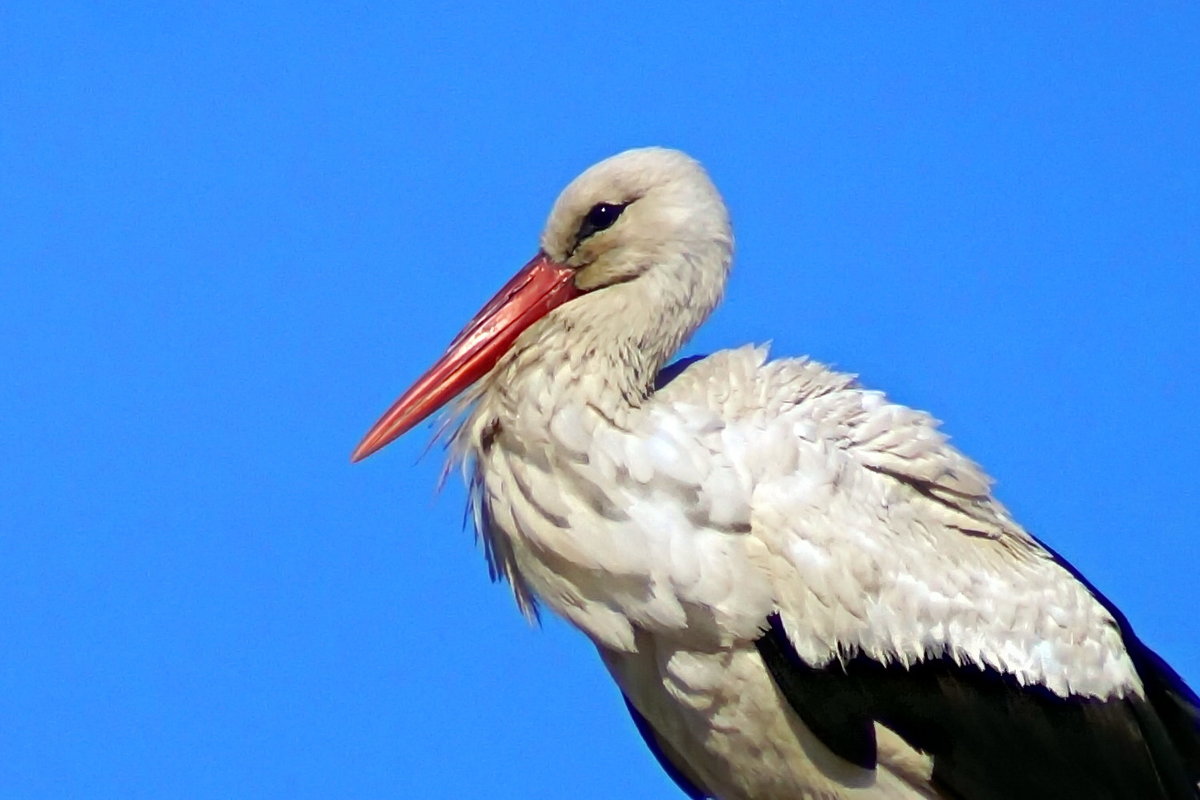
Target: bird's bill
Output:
{"points": [[540, 286]]}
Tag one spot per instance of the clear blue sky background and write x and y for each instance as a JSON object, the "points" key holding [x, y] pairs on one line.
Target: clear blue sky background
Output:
{"points": [[228, 238]]}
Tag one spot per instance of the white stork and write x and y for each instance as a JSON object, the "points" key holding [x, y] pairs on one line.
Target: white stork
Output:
{"points": [[801, 588]]}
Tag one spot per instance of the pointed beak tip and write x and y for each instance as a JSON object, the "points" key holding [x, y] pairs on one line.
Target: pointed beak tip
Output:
{"points": [[365, 448]]}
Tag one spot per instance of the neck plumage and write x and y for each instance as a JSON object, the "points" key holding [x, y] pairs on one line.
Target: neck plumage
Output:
{"points": [[606, 348], [601, 351]]}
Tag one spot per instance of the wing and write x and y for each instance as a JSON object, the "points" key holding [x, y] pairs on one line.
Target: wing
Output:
{"points": [[906, 596], [990, 737], [1175, 721], [1175, 706]]}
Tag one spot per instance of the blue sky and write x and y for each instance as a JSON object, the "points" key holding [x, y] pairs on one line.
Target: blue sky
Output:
{"points": [[230, 236]]}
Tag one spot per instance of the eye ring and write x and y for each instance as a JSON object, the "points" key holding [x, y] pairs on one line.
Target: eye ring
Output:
{"points": [[601, 217]]}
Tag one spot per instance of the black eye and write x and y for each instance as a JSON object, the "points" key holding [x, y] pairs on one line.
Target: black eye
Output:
{"points": [[602, 216]]}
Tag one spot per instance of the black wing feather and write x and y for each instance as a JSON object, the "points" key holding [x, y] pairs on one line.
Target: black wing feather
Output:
{"points": [[992, 738], [1175, 707], [836, 710]]}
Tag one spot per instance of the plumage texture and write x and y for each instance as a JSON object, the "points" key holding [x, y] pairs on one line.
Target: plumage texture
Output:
{"points": [[681, 518]]}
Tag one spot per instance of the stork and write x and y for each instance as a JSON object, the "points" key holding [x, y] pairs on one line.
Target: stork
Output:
{"points": [[801, 588]]}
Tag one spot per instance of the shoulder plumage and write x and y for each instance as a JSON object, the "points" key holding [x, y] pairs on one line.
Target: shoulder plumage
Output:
{"points": [[743, 382], [826, 404]]}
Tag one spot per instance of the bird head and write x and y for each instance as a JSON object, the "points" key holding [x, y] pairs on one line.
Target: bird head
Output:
{"points": [[637, 248]]}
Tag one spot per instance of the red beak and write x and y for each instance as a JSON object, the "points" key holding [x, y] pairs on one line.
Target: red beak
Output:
{"points": [[540, 286]]}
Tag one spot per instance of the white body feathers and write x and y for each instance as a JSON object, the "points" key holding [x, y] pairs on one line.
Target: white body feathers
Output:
{"points": [[669, 531]]}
